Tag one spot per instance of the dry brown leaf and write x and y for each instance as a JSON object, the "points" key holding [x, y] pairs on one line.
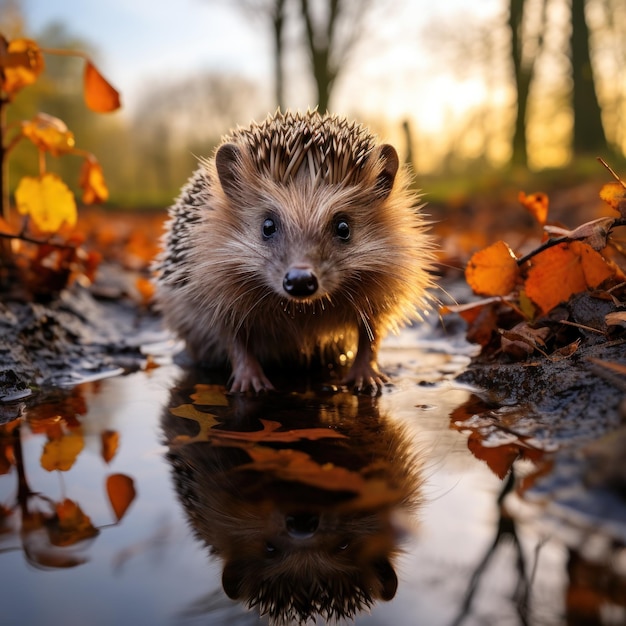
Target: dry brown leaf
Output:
{"points": [[617, 318], [594, 233]]}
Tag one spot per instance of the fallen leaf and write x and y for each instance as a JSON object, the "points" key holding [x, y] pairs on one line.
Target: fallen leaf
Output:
{"points": [[61, 454], [493, 271], [594, 233], [537, 204], [92, 182], [100, 96], [617, 318], [121, 492], [563, 270], [297, 466], [49, 133], [110, 441], [270, 433], [70, 525], [498, 458], [211, 395], [48, 201], [145, 288], [522, 340], [614, 194], [21, 63]]}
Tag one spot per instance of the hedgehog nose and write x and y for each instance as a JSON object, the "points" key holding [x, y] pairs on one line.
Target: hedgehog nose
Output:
{"points": [[300, 282], [302, 525]]}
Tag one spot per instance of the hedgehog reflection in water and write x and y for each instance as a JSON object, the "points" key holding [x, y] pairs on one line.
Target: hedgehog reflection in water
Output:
{"points": [[305, 528], [300, 234]]}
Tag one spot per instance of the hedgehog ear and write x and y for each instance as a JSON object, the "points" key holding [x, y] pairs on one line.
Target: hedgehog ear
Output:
{"points": [[390, 162], [231, 579], [228, 163], [387, 578]]}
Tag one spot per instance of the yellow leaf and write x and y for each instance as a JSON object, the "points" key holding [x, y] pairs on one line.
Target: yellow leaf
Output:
{"points": [[492, 271], [49, 133], [48, 201], [92, 182], [121, 492], [100, 96], [212, 395], [60, 454], [21, 64], [614, 194]]}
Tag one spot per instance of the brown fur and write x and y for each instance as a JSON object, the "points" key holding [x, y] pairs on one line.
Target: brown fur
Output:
{"points": [[244, 512], [220, 282]]}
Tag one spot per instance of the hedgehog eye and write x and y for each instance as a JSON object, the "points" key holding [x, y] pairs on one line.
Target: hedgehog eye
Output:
{"points": [[269, 228], [342, 229]]}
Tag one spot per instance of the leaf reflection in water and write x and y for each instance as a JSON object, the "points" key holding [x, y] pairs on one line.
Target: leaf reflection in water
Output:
{"points": [[303, 498]]}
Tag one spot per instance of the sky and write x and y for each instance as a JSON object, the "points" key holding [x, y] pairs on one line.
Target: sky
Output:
{"points": [[142, 42]]}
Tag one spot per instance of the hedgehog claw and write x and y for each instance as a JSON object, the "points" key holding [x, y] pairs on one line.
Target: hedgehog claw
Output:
{"points": [[365, 379], [248, 375]]}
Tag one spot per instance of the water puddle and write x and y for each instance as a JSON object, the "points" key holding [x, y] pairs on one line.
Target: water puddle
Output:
{"points": [[154, 498]]}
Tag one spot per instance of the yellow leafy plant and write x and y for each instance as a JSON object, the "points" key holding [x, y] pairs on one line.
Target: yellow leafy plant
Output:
{"points": [[45, 201]]}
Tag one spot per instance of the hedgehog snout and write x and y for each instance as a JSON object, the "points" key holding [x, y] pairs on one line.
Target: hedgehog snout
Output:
{"points": [[300, 282]]}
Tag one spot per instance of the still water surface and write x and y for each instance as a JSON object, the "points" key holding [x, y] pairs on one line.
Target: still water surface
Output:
{"points": [[381, 493]]}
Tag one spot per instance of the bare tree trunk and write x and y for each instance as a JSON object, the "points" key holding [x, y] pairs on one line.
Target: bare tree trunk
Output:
{"points": [[523, 70], [522, 83], [589, 134], [320, 43], [278, 20]]}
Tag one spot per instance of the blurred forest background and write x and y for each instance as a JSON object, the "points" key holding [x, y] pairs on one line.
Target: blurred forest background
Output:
{"points": [[549, 91]]}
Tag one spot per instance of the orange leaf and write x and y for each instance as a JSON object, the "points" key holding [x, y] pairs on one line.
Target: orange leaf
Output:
{"points": [[60, 454], [297, 466], [145, 287], [100, 96], [48, 201], [121, 492], [71, 525], [536, 204], [110, 442], [49, 133], [614, 194], [492, 271], [22, 62], [563, 270], [92, 182], [498, 458], [212, 395]]}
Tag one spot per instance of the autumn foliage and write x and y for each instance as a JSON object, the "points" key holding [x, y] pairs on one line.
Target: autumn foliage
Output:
{"points": [[45, 241], [521, 291]]}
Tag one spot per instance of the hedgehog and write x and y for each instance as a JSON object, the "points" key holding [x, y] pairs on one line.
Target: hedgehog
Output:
{"points": [[301, 233]]}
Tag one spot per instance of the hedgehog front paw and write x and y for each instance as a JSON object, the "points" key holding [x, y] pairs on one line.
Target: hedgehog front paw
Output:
{"points": [[365, 378], [249, 376]]}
